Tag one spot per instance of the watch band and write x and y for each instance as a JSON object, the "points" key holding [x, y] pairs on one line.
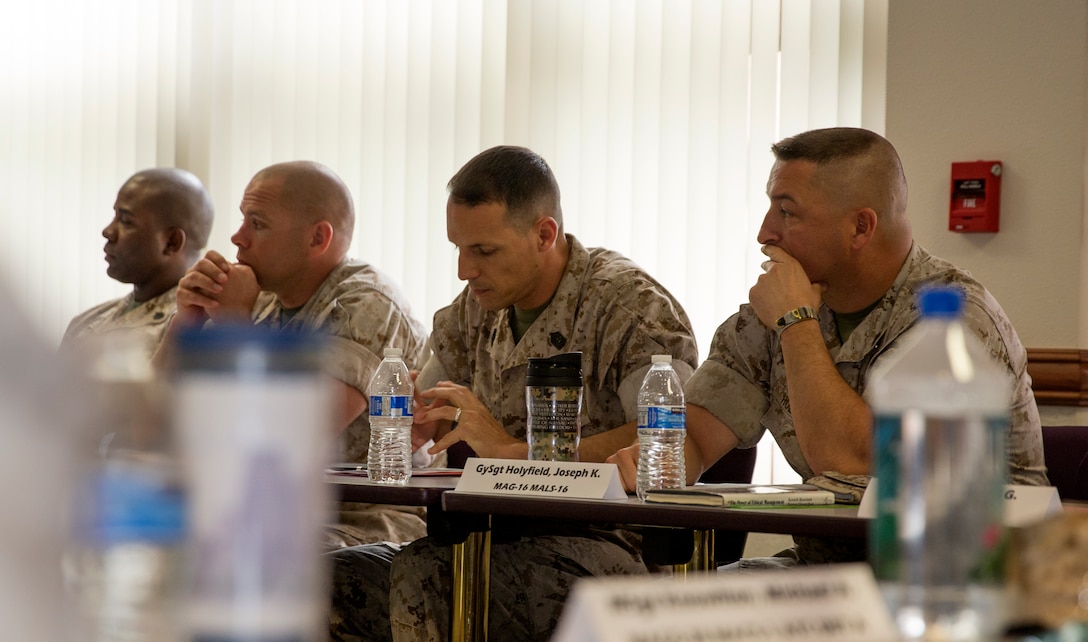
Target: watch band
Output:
{"points": [[795, 315]]}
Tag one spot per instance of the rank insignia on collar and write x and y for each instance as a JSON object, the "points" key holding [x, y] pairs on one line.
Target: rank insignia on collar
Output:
{"points": [[557, 340]]}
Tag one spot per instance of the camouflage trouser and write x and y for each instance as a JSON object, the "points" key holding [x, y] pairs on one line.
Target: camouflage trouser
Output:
{"points": [[358, 524], [530, 580], [807, 551], [359, 609]]}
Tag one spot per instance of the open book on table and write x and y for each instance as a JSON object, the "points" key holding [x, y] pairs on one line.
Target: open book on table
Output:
{"points": [[744, 495]]}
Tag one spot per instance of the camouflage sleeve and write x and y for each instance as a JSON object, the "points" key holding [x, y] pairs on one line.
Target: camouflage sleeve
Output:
{"points": [[732, 384], [1024, 440], [451, 340], [432, 373], [640, 322], [79, 323], [357, 337]]}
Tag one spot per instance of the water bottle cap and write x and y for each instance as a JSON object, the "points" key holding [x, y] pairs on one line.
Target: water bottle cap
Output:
{"points": [[941, 302], [661, 358], [561, 370], [392, 352]]}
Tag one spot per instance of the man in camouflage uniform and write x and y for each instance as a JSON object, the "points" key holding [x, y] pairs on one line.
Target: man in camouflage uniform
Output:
{"points": [[532, 292], [293, 273], [161, 221], [838, 242]]}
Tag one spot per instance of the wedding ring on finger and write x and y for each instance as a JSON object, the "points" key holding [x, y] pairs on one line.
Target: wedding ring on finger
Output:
{"points": [[456, 418]]}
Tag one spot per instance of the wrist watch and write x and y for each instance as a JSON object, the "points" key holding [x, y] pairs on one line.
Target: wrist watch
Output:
{"points": [[795, 315]]}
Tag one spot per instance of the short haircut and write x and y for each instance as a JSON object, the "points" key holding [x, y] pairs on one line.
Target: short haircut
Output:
{"points": [[513, 176], [870, 158], [314, 192], [180, 200]]}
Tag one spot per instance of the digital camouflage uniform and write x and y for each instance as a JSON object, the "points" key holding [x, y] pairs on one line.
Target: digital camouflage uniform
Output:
{"points": [[743, 380], [617, 316], [363, 312], [147, 320]]}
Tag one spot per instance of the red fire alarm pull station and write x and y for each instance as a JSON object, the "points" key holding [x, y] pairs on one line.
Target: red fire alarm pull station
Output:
{"points": [[976, 197]]}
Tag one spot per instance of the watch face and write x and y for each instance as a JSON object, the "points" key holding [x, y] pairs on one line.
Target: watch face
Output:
{"points": [[795, 315]]}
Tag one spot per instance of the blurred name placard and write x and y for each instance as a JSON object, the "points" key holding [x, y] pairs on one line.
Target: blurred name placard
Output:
{"points": [[541, 478], [1024, 505], [839, 603]]}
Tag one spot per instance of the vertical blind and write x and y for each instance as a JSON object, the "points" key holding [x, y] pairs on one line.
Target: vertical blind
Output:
{"points": [[656, 115]]}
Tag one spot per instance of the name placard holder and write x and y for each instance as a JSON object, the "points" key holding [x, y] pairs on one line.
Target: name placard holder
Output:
{"points": [[838, 603], [1024, 505], [541, 478]]}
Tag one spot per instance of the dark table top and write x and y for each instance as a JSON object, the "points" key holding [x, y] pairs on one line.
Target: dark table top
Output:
{"points": [[420, 490], [837, 520]]}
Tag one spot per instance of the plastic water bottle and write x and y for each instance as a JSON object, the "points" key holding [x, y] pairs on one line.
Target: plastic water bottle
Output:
{"points": [[941, 407], [389, 459], [125, 566], [661, 428], [128, 570]]}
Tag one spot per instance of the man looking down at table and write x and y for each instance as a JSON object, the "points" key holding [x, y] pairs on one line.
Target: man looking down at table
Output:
{"points": [[161, 221], [838, 291], [293, 274], [533, 291]]}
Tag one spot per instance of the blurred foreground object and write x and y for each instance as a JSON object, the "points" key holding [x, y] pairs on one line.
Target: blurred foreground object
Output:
{"points": [[252, 415], [1048, 573], [941, 406], [39, 404], [125, 567]]}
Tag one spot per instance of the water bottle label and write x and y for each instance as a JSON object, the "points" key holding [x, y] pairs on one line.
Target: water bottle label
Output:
{"points": [[661, 417], [394, 406]]}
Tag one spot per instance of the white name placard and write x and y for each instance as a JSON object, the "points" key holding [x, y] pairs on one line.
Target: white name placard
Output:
{"points": [[541, 478], [839, 603], [1027, 505], [1024, 505]]}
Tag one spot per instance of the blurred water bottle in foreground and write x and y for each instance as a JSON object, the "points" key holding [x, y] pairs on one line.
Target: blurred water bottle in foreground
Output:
{"points": [[941, 407], [126, 563]]}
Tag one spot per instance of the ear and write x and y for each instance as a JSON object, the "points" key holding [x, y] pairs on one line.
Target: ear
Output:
{"points": [[546, 231], [321, 235], [865, 222], [175, 241]]}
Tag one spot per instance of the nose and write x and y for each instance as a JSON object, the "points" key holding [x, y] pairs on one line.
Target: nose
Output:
{"points": [[768, 231], [466, 267], [239, 238], [110, 231]]}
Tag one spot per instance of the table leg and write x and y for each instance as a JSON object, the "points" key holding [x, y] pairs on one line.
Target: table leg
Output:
{"points": [[471, 568], [702, 556]]}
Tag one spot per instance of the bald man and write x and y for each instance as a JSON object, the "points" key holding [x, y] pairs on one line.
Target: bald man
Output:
{"points": [[837, 294], [292, 273], [161, 221]]}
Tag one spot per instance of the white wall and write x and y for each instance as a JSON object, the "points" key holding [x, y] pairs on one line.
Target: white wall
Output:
{"points": [[1001, 80]]}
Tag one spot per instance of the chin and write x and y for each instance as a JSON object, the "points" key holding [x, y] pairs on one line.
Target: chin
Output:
{"points": [[489, 303]]}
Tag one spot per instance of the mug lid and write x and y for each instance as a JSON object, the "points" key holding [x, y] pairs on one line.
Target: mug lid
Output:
{"points": [[560, 370]]}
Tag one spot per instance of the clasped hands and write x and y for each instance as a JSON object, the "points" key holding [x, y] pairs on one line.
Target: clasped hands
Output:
{"points": [[216, 289]]}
